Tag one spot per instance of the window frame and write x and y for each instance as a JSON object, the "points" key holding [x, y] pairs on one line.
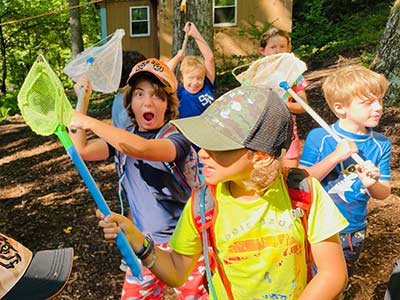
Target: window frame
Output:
{"points": [[226, 24], [131, 21]]}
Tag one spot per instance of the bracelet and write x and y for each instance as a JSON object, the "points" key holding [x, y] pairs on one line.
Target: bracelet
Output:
{"points": [[148, 246], [152, 261]]}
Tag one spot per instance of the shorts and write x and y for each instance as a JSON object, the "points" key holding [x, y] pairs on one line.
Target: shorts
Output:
{"points": [[151, 288], [352, 245]]}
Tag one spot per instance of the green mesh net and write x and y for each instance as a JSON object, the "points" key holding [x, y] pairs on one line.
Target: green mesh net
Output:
{"points": [[42, 100]]}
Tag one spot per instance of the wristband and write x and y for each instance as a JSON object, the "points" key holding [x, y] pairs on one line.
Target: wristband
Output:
{"points": [[152, 261], [148, 246]]}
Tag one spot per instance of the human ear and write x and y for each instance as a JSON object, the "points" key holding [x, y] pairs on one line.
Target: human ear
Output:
{"points": [[262, 156], [339, 109]]}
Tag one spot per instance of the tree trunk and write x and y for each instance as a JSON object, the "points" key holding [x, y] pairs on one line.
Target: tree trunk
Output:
{"points": [[4, 62], [200, 13], [388, 55], [76, 28]]}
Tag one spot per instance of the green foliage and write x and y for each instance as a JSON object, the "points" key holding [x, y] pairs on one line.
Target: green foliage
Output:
{"points": [[323, 30], [48, 35], [252, 30], [315, 30], [8, 105]]}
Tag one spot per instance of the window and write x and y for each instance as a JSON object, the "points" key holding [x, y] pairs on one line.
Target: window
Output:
{"points": [[225, 12], [140, 20]]}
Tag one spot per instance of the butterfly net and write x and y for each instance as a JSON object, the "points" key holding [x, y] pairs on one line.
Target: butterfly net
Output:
{"points": [[101, 64], [42, 100], [270, 70]]}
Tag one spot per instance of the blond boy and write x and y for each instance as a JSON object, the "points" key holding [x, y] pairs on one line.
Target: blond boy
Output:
{"points": [[355, 96]]}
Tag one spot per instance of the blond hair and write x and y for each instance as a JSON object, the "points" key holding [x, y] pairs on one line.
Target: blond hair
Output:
{"points": [[272, 32], [353, 81], [172, 111], [264, 173], [190, 63]]}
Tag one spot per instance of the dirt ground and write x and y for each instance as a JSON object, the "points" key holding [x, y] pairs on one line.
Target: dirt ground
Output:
{"points": [[45, 204]]}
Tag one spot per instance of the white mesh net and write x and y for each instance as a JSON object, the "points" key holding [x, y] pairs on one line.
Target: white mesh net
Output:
{"points": [[101, 64], [269, 71]]}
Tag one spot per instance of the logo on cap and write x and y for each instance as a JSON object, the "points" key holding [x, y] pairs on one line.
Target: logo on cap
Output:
{"points": [[159, 70], [9, 256]]}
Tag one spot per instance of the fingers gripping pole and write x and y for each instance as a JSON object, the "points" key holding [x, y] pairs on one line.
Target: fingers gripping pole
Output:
{"points": [[284, 85]]}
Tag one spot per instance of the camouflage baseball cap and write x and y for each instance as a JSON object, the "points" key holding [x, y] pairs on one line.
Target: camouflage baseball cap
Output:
{"points": [[24, 275], [245, 117], [158, 69]]}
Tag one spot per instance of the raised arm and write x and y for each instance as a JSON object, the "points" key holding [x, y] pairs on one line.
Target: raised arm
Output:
{"points": [[174, 61], [124, 141], [299, 88], [94, 149], [295, 107], [208, 55]]}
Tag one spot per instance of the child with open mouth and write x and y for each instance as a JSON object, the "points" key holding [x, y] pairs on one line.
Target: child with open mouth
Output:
{"points": [[155, 197]]}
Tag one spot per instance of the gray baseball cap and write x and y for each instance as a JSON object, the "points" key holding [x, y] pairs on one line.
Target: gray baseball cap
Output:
{"points": [[245, 117]]}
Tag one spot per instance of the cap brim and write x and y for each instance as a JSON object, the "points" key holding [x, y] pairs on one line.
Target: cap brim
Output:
{"points": [[132, 79], [45, 277], [203, 135]]}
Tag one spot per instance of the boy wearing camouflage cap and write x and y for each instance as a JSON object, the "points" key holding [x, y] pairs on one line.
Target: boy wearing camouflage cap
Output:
{"points": [[259, 240]]}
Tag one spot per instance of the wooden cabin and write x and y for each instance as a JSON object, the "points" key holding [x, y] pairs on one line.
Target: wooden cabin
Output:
{"points": [[148, 24]]}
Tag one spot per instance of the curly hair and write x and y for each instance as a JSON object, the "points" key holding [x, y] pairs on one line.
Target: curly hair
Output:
{"points": [[264, 173], [172, 111]]}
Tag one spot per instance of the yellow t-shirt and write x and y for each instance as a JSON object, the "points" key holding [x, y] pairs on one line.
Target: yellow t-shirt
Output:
{"points": [[260, 242]]}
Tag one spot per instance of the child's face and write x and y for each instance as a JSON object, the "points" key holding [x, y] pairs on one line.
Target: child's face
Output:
{"points": [[148, 107], [193, 80], [276, 44], [362, 112], [220, 166]]}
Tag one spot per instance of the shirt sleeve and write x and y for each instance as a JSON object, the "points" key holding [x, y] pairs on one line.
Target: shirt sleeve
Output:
{"points": [[324, 220], [185, 239], [311, 153], [384, 163], [182, 146]]}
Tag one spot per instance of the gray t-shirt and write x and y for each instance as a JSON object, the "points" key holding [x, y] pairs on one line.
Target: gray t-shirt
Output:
{"points": [[155, 197]]}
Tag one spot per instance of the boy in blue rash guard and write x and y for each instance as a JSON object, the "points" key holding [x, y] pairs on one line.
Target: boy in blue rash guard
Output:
{"points": [[355, 95]]}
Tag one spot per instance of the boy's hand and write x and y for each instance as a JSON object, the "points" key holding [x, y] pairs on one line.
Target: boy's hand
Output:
{"points": [[368, 173], [191, 30], [345, 149], [83, 83], [79, 121], [113, 224], [180, 55]]}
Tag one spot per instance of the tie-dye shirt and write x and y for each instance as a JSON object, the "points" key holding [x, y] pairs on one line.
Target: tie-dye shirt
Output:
{"points": [[261, 242]]}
